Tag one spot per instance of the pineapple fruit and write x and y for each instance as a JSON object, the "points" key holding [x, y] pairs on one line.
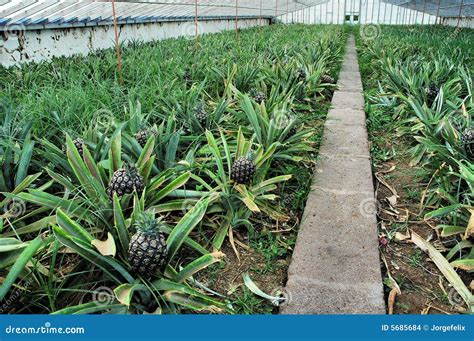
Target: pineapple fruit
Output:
{"points": [[327, 79], [431, 92], [147, 251], [79, 144], [293, 130], [201, 114], [124, 181], [187, 77], [286, 121], [301, 74], [142, 136], [243, 169], [467, 140], [258, 96]]}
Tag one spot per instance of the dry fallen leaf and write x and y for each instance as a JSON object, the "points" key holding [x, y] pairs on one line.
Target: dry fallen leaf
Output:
{"points": [[392, 200], [426, 310], [395, 265], [391, 300], [446, 269], [391, 169], [383, 182], [400, 236], [470, 225], [107, 247]]}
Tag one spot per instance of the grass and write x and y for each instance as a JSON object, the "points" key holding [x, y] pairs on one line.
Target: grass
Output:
{"points": [[247, 303], [416, 259]]}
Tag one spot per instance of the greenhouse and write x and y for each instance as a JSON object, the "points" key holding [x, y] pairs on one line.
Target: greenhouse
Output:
{"points": [[237, 157]]}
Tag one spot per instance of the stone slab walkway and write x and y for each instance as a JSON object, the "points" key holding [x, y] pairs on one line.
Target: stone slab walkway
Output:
{"points": [[335, 267]]}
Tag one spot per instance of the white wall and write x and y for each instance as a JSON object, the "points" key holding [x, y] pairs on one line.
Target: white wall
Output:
{"points": [[38, 45], [370, 11]]}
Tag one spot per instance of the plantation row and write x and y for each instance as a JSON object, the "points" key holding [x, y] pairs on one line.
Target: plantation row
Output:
{"points": [[418, 84], [136, 187]]}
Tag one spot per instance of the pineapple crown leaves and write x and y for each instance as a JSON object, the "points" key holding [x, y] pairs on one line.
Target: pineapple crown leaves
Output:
{"points": [[147, 223], [200, 107], [129, 166], [250, 155], [253, 92], [131, 169]]}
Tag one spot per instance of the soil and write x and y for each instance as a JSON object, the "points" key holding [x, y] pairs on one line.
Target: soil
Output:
{"points": [[265, 260], [424, 290]]}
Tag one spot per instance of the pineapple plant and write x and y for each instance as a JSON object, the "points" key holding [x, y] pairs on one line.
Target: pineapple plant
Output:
{"points": [[243, 169], [187, 77], [327, 79], [124, 181], [467, 140], [293, 130], [79, 144], [201, 114], [147, 249], [284, 122], [301, 74], [431, 92], [258, 96], [142, 137]]}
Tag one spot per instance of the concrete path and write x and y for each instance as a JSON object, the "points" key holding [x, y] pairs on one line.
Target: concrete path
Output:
{"points": [[335, 267]]}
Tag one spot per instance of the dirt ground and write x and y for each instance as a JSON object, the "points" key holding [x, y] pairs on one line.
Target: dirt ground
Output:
{"points": [[424, 290]]}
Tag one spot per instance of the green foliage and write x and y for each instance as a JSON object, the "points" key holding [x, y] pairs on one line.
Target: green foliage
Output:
{"points": [[70, 239], [399, 68]]}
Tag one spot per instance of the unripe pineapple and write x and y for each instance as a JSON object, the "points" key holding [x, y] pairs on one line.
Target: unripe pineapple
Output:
{"points": [[147, 249], [258, 96], [124, 181], [301, 74], [79, 144], [431, 92], [467, 140], [142, 137], [293, 130], [284, 122], [201, 114], [187, 77], [327, 79], [243, 169]]}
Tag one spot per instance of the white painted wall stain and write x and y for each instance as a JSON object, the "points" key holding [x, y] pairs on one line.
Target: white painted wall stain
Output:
{"points": [[42, 45]]}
